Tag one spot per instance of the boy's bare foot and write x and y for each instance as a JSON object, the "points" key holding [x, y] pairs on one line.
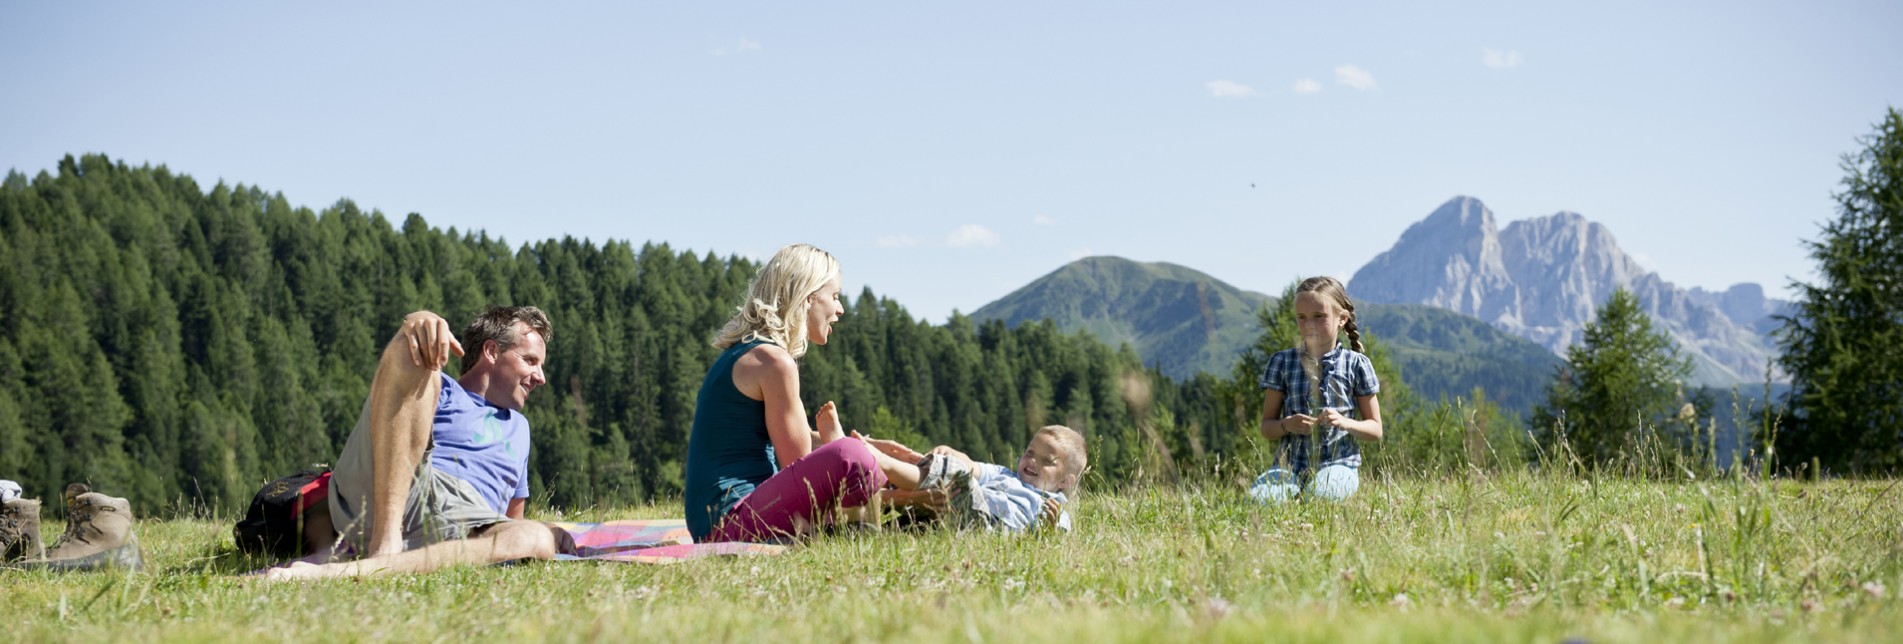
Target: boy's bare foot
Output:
{"points": [[826, 422]]}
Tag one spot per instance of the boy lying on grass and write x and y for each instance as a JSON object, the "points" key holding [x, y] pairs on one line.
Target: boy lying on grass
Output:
{"points": [[973, 494]]}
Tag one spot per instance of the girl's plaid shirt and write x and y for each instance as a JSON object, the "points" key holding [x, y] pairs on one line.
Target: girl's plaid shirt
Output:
{"points": [[1346, 375]]}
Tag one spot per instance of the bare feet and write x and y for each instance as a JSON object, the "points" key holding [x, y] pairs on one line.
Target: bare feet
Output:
{"points": [[826, 422], [300, 569], [295, 569]]}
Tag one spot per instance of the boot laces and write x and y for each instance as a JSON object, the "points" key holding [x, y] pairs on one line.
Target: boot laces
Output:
{"points": [[79, 525]]}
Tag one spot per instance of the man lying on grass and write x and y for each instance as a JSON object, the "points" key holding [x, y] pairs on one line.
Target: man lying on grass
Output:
{"points": [[436, 472]]}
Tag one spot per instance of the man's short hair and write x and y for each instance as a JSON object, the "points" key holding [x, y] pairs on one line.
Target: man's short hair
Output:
{"points": [[498, 323]]}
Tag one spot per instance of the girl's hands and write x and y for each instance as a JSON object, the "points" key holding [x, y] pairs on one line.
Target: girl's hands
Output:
{"points": [[1335, 418], [1299, 424]]}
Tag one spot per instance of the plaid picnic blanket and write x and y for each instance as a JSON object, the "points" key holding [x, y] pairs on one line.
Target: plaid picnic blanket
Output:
{"points": [[653, 541]]}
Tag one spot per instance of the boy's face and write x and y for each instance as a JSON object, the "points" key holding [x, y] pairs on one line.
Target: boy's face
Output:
{"points": [[1042, 465]]}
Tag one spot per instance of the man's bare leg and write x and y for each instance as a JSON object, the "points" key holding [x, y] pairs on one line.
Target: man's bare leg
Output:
{"points": [[402, 407], [506, 541]]}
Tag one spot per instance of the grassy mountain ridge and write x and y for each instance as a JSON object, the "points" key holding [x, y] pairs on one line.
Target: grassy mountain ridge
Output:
{"points": [[1177, 318], [1184, 321], [1444, 353]]}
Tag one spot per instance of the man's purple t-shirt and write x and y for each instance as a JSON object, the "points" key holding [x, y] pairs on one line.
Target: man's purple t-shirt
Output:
{"points": [[484, 445]]}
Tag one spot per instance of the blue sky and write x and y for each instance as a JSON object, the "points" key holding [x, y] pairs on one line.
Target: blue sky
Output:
{"points": [[951, 152]]}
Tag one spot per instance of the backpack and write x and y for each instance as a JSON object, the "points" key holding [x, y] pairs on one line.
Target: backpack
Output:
{"points": [[275, 522]]}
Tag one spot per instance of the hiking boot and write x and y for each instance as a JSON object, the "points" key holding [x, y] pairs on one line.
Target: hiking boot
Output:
{"points": [[98, 535], [20, 530]]}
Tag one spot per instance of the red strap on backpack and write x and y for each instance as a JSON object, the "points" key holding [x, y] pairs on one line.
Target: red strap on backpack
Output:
{"points": [[313, 493]]}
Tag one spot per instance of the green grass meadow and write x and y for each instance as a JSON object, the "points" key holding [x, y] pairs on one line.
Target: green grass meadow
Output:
{"points": [[1509, 557]]}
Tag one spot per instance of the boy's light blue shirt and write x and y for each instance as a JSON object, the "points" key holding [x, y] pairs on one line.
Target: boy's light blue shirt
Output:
{"points": [[1010, 501]]}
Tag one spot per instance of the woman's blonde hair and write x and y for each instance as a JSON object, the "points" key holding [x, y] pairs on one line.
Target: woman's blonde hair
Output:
{"points": [[777, 300]]}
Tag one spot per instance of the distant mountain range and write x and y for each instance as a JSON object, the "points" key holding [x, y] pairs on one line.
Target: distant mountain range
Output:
{"points": [[1460, 303], [1543, 278], [1184, 321]]}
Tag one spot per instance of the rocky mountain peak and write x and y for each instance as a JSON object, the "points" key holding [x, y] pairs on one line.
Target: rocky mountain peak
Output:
{"points": [[1543, 279], [1452, 259]]}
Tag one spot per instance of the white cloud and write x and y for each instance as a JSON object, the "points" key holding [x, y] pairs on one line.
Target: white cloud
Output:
{"points": [[1043, 220], [1500, 59], [745, 46], [1355, 77], [1306, 86], [897, 241], [973, 235], [1228, 89]]}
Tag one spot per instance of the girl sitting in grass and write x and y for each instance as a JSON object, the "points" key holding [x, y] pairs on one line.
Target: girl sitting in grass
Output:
{"points": [[1318, 399]]}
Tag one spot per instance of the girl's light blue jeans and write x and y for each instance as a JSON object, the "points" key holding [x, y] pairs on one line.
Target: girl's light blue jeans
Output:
{"points": [[1332, 483]]}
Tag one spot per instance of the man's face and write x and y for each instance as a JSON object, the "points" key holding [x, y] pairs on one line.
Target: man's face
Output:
{"points": [[517, 370]]}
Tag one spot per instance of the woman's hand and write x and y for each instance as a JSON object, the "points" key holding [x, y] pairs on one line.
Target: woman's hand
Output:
{"points": [[891, 448], [946, 450]]}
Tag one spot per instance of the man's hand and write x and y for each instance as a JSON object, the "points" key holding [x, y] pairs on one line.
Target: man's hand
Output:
{"points": [[430, 340]]}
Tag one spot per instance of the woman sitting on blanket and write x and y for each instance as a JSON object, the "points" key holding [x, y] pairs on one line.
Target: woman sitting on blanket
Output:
{"points": [[756, 471]]}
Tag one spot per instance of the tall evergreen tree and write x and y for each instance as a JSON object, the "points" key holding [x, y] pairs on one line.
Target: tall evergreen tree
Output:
{"points": [[1620, 382], [179, 345], [1840, 344]]}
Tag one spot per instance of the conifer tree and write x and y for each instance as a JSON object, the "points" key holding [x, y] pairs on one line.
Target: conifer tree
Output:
{"points": [[1620, 382], [1841, 343]]}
